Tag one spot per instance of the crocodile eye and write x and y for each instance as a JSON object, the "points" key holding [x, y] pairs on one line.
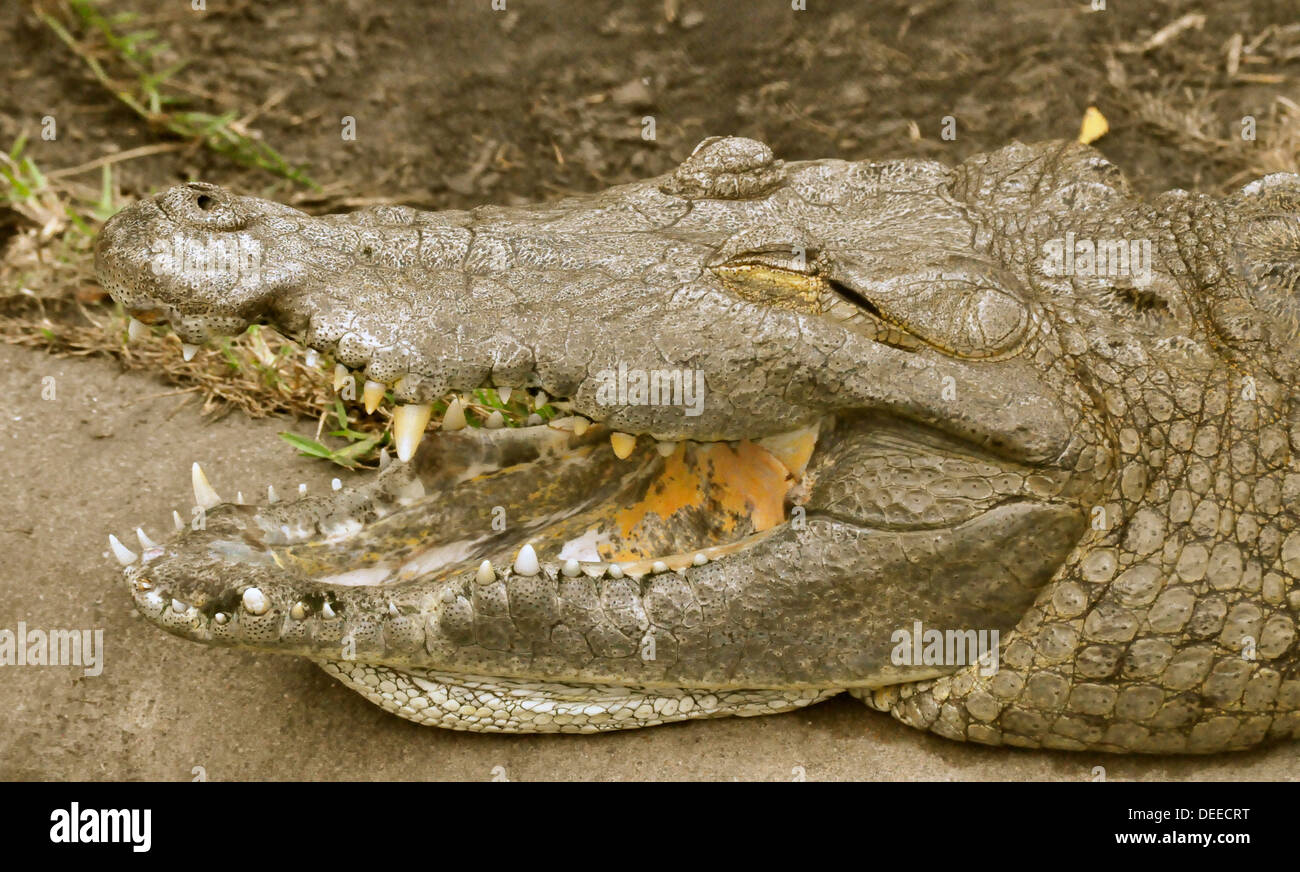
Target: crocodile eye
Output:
{"points": [[791, 278], [962, 306]]}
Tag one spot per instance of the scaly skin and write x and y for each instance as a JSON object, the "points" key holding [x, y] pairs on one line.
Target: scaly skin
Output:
{"points": [[1100, 468]]}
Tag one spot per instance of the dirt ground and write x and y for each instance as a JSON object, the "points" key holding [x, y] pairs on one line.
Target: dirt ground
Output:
{"points": [[457, 104]]}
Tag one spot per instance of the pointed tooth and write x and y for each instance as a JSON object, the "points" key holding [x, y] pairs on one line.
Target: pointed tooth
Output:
{"points": [[658, 566], [408, 428], [145, 542], [623, 444], [204, 494], [454, 417], [188, 351], [571, 568], [700, 559], [615, 571], [177, 521], [495, 421], [239, 498], [135, 330], [526, 562], [327, 612], [313, 358], [534, 420], [271, 496], [580, 425], [124, 555], [392, 610], [540, 400], [178, 606], [384, 458], [504, 394], [336, 484], [372, 395], [302, 489], [298, 611], [255, 601], [486, 574], [341, 376], [665, 449]]}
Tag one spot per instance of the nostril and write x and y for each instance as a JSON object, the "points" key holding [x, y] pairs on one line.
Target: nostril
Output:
{"points": [[204, 202]]}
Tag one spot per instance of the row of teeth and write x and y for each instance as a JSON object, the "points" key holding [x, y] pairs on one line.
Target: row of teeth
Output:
{"points": [[256, 603], [410, 421], [206, 497]]}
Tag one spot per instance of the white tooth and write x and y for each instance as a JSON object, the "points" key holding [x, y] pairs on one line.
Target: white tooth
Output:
{"points": [[313, 358], [665, 448], [298, 611], [615, 571], [580, 425], [658, 566], [454, 417], [178, 606], [594, 570], [372, 395], [239, 498], [504, 394], [145, 542], [341, 376], [540, 400], [336, 484], [271, 496], [177, 521], [408, 428], [124, 555], [623, 444], [392, 611], [327, 612], [571, 568], [495, 421], [534, 420], [221, 618], [699, 559], [302, 489], [204, 494], [448, 595], [384, 458], [526, 562], [485, 574], [135, 330], [188, 351], [255, 601]]}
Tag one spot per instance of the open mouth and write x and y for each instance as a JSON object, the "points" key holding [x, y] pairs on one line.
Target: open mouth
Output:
{"points": [[565, 491]]}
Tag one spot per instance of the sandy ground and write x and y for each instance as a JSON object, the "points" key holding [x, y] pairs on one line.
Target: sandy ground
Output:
{"points": [[109, 453]]}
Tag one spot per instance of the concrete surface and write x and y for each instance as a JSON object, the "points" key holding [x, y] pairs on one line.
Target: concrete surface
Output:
{"points": [[109, 453]]}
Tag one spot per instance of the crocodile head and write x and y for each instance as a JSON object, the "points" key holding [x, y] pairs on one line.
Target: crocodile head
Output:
{"points": [[811, 415]]}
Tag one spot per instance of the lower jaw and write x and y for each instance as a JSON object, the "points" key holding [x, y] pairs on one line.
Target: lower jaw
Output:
{"points": [[491, 704]]}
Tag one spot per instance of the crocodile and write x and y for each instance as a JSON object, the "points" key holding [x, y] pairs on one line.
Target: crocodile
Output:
{"points": [[1002, 448]]}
